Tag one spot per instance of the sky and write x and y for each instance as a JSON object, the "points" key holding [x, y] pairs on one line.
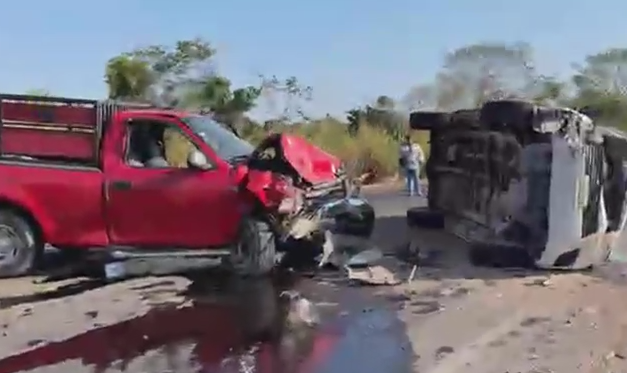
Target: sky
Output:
{"points": [[349, 51]]}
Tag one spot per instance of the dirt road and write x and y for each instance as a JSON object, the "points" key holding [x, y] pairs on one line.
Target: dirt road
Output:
{"points": [[452, 318]]}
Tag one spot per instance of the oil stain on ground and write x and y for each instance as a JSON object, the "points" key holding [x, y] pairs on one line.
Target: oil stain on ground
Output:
{"points": [[251, 331]]}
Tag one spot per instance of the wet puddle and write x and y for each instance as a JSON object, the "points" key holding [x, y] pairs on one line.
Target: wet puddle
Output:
{"points": [[254, 331]]}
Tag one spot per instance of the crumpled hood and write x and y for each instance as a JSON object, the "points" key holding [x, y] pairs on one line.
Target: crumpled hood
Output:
{"points": [[311, 163], [288, 168]]}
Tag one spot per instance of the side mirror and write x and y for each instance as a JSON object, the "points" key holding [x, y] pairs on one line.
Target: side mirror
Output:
{"points": [[198, 160]]}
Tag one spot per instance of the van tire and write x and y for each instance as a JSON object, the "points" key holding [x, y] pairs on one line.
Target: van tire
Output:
{"points": [[466, 119], [18, 232], [255, 252], [428, 120], [506, 112], [423, 217]]}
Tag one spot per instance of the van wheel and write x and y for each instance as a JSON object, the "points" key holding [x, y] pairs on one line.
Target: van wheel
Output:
{"points": [[255, 252], [428, 120], [20, 247], [423, 217]]}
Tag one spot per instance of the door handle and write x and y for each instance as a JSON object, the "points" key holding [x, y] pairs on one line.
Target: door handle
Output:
{"points": [[121, 185]]}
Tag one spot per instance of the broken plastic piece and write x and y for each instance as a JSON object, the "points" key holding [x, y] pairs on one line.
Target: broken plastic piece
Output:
{"points": [[365, 258], [373, 275]]}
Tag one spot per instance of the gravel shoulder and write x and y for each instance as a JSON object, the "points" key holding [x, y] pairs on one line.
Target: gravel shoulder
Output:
{"points": [[462, 318]]}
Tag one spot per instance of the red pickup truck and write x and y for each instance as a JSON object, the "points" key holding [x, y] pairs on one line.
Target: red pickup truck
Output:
{"points": [[99, 175]]}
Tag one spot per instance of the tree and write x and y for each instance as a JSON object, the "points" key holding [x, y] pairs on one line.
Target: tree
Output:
{"points": [[158, 71], [179, 75], [604, 72], [550, 91], [476, 73], [382, 114], [128, 78], [215, 95], [421, 97], [355, 118], [385, 103], [601, 84], [285, 97], [186, 60]]}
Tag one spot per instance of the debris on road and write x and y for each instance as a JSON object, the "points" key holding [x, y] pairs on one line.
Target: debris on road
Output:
{"points": [[412, 274], [373, 275], [365, 258], [362, 262], [339, 250], [544, 282]]}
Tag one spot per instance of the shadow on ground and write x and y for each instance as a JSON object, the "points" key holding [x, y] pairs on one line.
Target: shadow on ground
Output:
{"points": [[440, 256], [225, 324]]}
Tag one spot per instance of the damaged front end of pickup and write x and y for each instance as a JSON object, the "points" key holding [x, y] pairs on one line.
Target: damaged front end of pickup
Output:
{"points": [[304, 193]]}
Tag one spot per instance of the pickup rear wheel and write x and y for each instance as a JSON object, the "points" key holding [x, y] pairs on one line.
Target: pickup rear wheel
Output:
{"points": [[20, 246], [255, 252]]}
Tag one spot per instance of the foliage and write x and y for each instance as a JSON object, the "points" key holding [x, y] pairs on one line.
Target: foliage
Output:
{"points": [[367, 139]]}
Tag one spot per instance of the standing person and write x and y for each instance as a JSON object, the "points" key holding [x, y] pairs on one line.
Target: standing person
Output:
{"points": [[410, 159]]}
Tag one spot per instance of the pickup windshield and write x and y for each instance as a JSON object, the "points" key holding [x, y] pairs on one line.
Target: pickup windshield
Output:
{"points": [[223, 141]]}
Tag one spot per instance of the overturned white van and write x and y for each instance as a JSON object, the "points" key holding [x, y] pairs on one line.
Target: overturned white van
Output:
{"points": [[525, 184]]}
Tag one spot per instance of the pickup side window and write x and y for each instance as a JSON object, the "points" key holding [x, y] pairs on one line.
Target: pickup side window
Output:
{"points": [[155, 144]]}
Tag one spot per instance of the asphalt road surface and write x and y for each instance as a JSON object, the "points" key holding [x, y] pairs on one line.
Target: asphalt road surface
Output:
{"points": [[451, 318]]}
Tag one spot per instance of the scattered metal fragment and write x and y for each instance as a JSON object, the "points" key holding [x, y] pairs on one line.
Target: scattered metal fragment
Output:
{"points": [[373, 275], [365, 258], [412, 274]]}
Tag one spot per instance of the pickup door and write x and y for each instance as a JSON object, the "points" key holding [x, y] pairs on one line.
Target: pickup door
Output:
{"points": [[170, 207]]}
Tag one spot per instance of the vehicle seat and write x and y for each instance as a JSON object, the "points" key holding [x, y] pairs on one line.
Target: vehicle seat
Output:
{"points": [[154, 154], [144, 150], [134, 162], [177, 147], [133, 157]]}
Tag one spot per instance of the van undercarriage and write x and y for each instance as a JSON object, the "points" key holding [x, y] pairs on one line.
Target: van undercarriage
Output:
{"points": [[525, 184]]}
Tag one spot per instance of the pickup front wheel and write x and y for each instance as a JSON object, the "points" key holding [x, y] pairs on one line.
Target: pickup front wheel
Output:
{"points": [[20, 247], [255, 252]]}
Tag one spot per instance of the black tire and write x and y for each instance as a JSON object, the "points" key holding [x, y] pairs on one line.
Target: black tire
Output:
{"points": [[507, 113], [423, 217], [255, 252], [21, 247], [466, 118], [428, 120], [485, 254], [361, 224], [300, 254], [359, 229]]}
